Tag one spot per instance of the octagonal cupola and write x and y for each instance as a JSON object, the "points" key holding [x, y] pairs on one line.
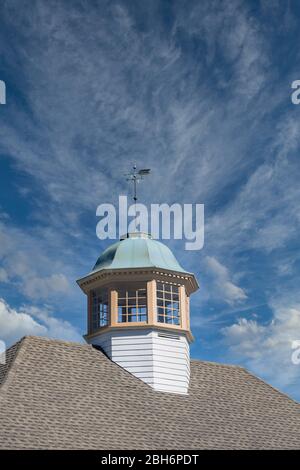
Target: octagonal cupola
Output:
{"points": [[138, 310]]}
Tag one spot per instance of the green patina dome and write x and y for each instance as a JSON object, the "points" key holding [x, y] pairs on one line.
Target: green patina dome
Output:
{"points": [[137, 250]]}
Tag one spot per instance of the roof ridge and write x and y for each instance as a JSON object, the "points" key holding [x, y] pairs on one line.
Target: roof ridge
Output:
{"points": [[9, 356], [11, 371], [235, 366], [20, 346], [56, 340], [272, 386], [23, 342]]}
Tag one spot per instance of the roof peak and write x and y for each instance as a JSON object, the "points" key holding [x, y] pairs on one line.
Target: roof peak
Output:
{"points": [[49, 339], [138, 250]]}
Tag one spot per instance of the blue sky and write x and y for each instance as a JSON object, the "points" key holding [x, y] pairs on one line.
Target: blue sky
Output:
{"points": [[200, 92]]}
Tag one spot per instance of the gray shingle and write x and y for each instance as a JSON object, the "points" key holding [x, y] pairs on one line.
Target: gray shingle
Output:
{"points": [[63, 395], [10, 354]]}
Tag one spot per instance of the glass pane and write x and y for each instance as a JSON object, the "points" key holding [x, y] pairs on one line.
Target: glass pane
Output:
{"points": [[168, 304], [99, 309], [122, 314], [159, 286], [143, 305], [131, 293], [132, 317], [133, 300], [142, 292], [122, 293], [132, 310]]}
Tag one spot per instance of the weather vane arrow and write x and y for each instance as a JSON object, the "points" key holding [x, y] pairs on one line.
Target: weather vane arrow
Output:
{"points": [[136, 176]]}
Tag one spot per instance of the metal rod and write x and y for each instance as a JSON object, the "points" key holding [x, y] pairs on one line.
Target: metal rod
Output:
{"points": [[135, 177]]}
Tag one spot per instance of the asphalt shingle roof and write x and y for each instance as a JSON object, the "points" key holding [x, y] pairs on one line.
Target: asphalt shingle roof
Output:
{"points": [[55, 394]]}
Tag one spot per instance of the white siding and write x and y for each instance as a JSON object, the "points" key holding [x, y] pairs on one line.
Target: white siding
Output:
{"points": [[159, 359]]}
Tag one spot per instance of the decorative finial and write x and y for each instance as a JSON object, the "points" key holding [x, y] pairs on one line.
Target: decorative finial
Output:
{"points": [[136, 177]]}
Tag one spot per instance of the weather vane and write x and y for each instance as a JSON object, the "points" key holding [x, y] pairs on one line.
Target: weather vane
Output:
{"points": [[136, 177]]}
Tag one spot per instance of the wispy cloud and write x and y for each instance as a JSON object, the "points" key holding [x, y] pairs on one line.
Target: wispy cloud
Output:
{"points": [[195, 93], [33, 321], [266, 347], [28, 265], [222, 286]]}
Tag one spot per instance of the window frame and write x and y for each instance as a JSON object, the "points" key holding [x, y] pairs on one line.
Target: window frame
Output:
{"points": [[101, 317], [168, 304], [135, 305]]}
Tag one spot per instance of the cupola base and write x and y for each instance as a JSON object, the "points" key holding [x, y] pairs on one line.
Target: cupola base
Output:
{"points": [[158, 357]]}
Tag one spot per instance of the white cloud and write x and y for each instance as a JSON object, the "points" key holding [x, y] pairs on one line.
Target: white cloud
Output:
{"points": [[223, 287], [285, 269], [56, 327], [229, 29], [153, 92], [25, 261], [43, 288], [244, 337], [3, 275], [33, 321], [267, 348], [264, 215], [14, 325], [273, 235], [145, 95]]}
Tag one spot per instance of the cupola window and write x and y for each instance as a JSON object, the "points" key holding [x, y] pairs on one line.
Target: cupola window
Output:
{"points": [[168, 310], [99, 309], [132, 305]]}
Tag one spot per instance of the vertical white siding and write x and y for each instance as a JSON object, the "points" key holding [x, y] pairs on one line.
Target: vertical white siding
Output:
{"points": [[160, 359]]}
